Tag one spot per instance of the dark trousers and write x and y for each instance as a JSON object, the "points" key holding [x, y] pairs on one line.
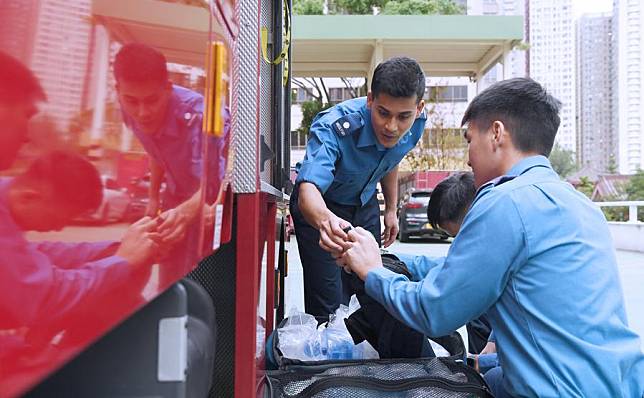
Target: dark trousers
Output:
{"points": [[478, 331], [326, 285]]}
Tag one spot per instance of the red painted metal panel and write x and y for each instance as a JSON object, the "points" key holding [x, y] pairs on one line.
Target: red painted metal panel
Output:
{"points": [[271, 220], [248, 263]]}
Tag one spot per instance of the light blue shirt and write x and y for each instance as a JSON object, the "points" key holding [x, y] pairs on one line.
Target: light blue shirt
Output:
{"points": [[178, 145], [46, 280], [343, 156], [548, 280]]}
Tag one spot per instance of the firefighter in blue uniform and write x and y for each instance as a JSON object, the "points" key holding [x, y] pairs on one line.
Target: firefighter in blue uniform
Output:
{"points": [[167, 120], [351, 147]]}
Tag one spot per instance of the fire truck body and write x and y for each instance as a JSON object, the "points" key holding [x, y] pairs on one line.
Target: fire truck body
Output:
{"points": [[129, 333]]}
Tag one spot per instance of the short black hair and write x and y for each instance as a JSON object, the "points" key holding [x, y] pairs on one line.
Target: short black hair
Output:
{"points": [[451, 199], [73, 179], [525, 108], [399, 77], [136, 62], [17, 82]]}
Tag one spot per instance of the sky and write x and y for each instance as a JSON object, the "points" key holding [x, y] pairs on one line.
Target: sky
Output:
{"points": [[588, 6]]}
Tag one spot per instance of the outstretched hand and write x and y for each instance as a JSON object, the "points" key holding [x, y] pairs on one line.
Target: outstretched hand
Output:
{"points": [[332, 236], [363, 255]]}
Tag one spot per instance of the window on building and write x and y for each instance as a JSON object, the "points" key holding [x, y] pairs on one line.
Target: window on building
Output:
{"points": [[299, 95], [298, 140], [446, 94]]}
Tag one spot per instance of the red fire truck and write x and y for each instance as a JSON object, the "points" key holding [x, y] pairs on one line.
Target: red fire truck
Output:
{"points": [[84, 311]]}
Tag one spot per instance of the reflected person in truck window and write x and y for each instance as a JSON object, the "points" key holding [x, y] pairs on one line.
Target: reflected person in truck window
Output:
{"points": [[42, 281], [167, 119], [20, 93]]}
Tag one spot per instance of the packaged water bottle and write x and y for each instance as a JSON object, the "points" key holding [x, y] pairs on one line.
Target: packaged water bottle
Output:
{"points": [[338, 344]]}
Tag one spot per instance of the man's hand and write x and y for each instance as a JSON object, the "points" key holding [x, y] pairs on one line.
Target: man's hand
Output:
{"points": [[173, 225], [364, 253], [140, 242], [332, 237], [391, 228]]}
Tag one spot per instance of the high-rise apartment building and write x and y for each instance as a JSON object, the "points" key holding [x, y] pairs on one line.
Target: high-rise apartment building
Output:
{"points": [[596, 140], [552, 59], [53, 38], [629, 97], [517, 58], [60, 54], [17, 28]]}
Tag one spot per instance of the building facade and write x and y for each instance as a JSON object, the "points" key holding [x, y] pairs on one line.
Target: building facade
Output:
{"points": [[628, 34], [552, 59], [596, 139]]}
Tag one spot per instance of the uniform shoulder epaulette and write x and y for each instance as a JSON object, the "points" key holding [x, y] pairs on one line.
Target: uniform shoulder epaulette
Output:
{"points": [[495, 182], [347, 124], [189, 118], [502, 180]]}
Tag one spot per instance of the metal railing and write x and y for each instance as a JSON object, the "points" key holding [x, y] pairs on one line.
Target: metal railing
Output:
{"points": [[632, 210]]}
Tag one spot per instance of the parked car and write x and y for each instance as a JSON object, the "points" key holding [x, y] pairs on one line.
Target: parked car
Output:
{"points": [[412, 216], [114, 206], [139, 189]]}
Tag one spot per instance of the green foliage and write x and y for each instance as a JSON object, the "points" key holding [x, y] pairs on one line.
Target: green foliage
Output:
{"points": [[586, 186], [357, 7], [616, 213], [308, 7], [421, 7], [309, 110], [635, 187], [612, 165], [635, 191], [563, 161], [366, 7], [441, 148]]}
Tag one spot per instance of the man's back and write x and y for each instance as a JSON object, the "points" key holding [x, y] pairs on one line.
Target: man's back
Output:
{"points": [[560, 320]]}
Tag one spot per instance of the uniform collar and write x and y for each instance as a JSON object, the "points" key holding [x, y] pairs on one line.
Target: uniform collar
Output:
{"points": [[526, 164], [519, 168], [367, 135]]}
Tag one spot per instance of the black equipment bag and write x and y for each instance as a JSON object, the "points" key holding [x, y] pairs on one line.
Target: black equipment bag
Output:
{"points": [[427, 377], [389, 336]]}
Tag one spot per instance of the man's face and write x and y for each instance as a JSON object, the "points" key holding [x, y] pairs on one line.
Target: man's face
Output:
{"points": [[37, 210], [391, 117], [480, 154], [450, 227], [14, 122], [145, 102]]}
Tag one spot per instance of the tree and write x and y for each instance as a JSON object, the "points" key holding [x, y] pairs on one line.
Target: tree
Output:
{"points": [[309, 110], [563, 161], [442, 147], [367, 7], [586, 186], [308, 7], [612, 165], [357, 7], [635, 187], [422, 7]]}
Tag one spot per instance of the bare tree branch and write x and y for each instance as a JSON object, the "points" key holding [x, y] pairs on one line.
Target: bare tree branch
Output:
{"points": [[306, 88]]}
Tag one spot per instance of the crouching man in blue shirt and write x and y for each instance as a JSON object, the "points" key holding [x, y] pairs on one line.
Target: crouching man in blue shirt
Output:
{"points": [[548, 278]]}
